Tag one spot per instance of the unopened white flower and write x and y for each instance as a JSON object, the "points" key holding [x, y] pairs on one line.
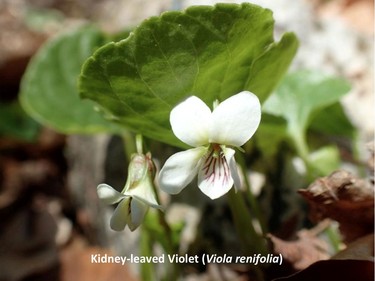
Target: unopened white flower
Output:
{"points": [[231, 124], [136, 197]]}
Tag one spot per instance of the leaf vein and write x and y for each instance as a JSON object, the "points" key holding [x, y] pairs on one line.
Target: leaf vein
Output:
{"points": [[144, 81]]}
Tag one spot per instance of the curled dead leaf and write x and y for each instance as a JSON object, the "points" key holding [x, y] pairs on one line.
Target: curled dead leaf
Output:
{"points": [[304, 251], [345, 198]]}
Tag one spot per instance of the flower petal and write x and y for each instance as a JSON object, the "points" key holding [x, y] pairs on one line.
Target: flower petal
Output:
{"points": [[144, 192], [214, 176], [190, 121], [121, 214], [137, 213], [108, 194], [229, 155], [235, 120], [180, 169]]}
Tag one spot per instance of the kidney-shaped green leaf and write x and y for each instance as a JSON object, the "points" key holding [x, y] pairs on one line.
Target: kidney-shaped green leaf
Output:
{"points": [[49, 90], [210, 52], [300, 97], [303, 94]]}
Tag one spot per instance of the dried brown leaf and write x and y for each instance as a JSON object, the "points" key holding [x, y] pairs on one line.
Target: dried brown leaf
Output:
{"points": [[344, 198], [302, 252], [361, 249]]}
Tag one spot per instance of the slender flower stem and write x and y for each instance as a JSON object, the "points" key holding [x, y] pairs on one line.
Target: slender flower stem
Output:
{"points": [[128, 144], [139, 143], [169, 246], [252, 242], [252, 200], [147, 269]]}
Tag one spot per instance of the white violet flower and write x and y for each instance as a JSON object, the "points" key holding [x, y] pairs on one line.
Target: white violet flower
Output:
{"points": [[231, 124], [137, 195]]}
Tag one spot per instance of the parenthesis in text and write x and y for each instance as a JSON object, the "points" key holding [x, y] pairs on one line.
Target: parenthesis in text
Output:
{"points": [[204, 259], [281, 259]]}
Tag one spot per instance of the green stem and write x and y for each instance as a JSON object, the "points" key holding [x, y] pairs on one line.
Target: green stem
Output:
{"points": [[301, 145], [303, 152], [173, 270], [252, 199], [169, 246], [160, 232], [129, 144], [147, 269], [252, 242], [139, 143]]}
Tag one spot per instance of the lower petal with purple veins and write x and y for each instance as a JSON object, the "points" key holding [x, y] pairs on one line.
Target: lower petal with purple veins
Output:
{"points": [[214, 176]]}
